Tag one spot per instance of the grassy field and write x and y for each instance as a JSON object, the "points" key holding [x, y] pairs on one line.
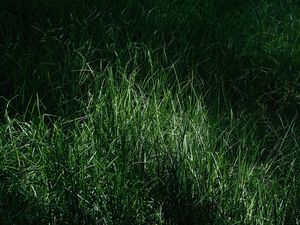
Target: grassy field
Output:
{"points": [[149, 112]]}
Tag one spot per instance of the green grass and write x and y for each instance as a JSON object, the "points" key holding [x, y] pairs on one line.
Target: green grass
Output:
{"points": [[138, 112]]}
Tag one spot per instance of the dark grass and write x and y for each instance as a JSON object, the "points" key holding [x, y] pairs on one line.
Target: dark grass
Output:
{"points": [[149, 112]]}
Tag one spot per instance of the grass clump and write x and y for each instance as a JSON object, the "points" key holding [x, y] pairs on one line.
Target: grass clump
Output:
{"points": [[138, 157]]}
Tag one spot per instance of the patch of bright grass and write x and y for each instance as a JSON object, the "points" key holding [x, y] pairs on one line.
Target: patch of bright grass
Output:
{"points": [[138, 157]]}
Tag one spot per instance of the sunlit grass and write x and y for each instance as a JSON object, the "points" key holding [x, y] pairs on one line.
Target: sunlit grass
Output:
{"points": [[138, 157]]}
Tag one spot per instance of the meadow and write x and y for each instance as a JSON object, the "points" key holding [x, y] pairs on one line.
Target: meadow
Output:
{"points": [[149, 112]]}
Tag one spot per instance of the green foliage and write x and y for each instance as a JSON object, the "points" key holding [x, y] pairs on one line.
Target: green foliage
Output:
{"points": [[149, 112]]}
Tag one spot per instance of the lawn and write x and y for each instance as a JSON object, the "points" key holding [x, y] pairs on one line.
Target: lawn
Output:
{"points": [[149, 112]]}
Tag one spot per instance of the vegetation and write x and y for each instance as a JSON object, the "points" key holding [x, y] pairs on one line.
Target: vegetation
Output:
{"points": [[149, 112]]}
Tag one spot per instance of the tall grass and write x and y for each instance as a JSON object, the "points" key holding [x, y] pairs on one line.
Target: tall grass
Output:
{"points": [[138, 157], [149, 113]]}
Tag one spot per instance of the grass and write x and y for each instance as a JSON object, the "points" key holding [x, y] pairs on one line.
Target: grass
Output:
{"points": [[138, 112]]}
